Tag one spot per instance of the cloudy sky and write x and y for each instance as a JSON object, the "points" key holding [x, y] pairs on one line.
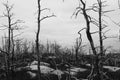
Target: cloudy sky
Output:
{"points": [[61, 28]]}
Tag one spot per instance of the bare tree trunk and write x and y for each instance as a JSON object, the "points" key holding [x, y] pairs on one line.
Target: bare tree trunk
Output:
{"points": [[11, 26], [12, 58], [100, 28], [37, 40], [39, 19], [100, 37], [9, 45], [95, 68]]}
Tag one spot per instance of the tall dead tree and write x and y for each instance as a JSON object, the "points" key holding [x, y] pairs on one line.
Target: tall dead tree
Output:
{"points": [[8, 14], [95, 67], [39, 19], [96, 72], [11, 26], [100, 37], [100, 26]]}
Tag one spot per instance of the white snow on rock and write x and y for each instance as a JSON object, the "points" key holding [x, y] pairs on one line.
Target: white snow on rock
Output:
{"points": [[57, 72], [111, 68], [44, 69], [74, 70], [88, 65], [32, 75], [41, 63], [33, 67], [34, 63], [45, 64]]}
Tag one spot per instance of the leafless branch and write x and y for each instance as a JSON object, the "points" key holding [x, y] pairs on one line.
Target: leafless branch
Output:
{"points": [[95, 23], [94, 32], [94, 7], [80, 38], [76, 13], [47, 17], [77, 10], [118, 24], [103, 12], [81, 30], [106, 37], [45, 9], [16, 22], [8, 7], [107, 31], [8, 10], [3, 51]]}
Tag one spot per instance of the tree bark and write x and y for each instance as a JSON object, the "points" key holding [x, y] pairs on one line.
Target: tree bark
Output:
{"points": [[37, 40], [12, 58], [95, 74], [9, 44], [100, 38]]}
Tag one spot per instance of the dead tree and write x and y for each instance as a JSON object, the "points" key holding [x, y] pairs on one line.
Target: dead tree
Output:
{"points": [[100, 37], [96, 71], [8, 14], [11, 26], [95, 67], [77, 46], [39, 19]]}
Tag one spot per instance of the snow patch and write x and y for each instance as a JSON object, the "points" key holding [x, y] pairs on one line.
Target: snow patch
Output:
{"points": [[74, 70], [44, 69], [41, 63], [31, 74], [57, 72], [114, 69]]}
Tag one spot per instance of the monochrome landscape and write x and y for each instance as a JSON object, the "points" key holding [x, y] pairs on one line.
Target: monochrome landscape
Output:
{"points": [[59, 40]]}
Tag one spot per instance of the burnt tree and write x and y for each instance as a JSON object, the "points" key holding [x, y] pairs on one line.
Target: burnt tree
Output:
{"points": [[39, 19], [12, 24], [97, 71]]}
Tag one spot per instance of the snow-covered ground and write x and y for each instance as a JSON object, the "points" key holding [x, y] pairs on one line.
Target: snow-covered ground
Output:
{"points": [[75, 70], [111, 68], [44, 69], [57, 72], [41, 63]]}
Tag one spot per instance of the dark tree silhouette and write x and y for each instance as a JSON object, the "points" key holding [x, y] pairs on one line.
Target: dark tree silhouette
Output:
{"points": [[97, 71], [39, 19], [11, 26]]}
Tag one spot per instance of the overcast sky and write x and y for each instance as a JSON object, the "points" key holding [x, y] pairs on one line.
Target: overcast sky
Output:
{"points": [[61, 28]]}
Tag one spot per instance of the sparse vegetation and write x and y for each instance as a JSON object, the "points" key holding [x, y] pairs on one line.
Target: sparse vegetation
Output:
{"points": [[33, 60]]}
